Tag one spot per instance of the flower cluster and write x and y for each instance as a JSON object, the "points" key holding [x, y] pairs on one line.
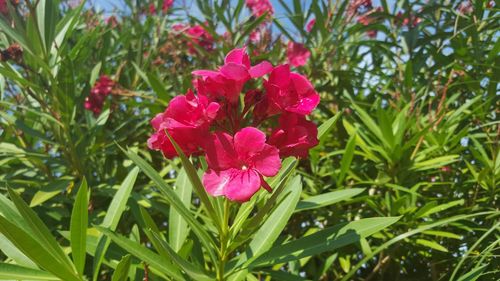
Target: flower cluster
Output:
{"points": [[229, 128], [297, 54], [4, 8], [166, 5], [101, 89], [259, 7], [198, 35]]}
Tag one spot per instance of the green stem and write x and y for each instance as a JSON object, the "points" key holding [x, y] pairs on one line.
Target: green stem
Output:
{"points": [[223, 241]]}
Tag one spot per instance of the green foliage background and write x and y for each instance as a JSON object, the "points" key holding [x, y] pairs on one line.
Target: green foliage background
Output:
{"points": [[407, 171]]}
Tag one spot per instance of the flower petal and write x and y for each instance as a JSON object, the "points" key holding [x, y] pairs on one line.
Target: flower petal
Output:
{"points": [[260, 69], [267, 161], [220, 152], [238, 56], [249, 141], [242, 185], [234, 71]]}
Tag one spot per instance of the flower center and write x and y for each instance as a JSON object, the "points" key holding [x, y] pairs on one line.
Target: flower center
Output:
{"points": [[244, 168]]}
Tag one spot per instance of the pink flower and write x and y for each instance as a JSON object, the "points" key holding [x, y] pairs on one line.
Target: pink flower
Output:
{"points": [[297, 54], [290, 91], [310, 25], [255, 36], [368, 19], [358, 7], [101, 89], [237, 165], [465, 7], [199, 36], [167, 4], [228, 81], [4, 9], [152, 9], [259, 7], [295, 135], [187, 119]]}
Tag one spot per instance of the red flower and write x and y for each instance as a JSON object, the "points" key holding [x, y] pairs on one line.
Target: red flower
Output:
{"points": [[228, 81], [167, 4], [199, 36], [102, 88], [187, 119], [290, 91], [310, 25], [259, 7], [237, 165], [297, 54], [4, 9], [295, 135]]}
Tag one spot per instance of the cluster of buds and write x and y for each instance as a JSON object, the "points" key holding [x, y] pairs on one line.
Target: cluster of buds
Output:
{"points": [[101, 89], [13, 53], [242, 136]]}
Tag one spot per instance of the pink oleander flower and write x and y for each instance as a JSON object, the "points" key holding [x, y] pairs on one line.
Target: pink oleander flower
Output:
{"points": [[358, 7], [255, 36], [294, 136], [310, 25], [199, 36], [297, 54], [259, 7], [152, 9], [237, 165], [289, 91], [465, 7], [368, 19], [228, 81], [4, 9], [101, 89], [167, 4], [210, 123], [187, 119]]}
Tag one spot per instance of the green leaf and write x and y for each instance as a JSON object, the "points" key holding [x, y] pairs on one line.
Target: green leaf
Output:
{"points": [[190, 269], [40, 230], [327, 126], [177, 225], [16, 272], [113, 215], [40, 254], [122, 269], [176, 202], [431, 244], [323, 200], [78, 228], [439, 208], [346, 161], [324, 240], [143, 253], [195, 180], [270, 230]]}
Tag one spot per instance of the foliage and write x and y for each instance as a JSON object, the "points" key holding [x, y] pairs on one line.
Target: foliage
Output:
{"points": [[404, 183]]}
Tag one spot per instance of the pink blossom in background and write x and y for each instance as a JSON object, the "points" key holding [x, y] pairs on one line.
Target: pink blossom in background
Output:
{"points": [[4, 9], [368, 19], [187, 119], [297, 54], [236, 166], [310, 25], [358, 7], [199, 36], [101, 89], [290, 91], [167, 4], [152, 9], [259, 7], [465, 7], [294, 136]]}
